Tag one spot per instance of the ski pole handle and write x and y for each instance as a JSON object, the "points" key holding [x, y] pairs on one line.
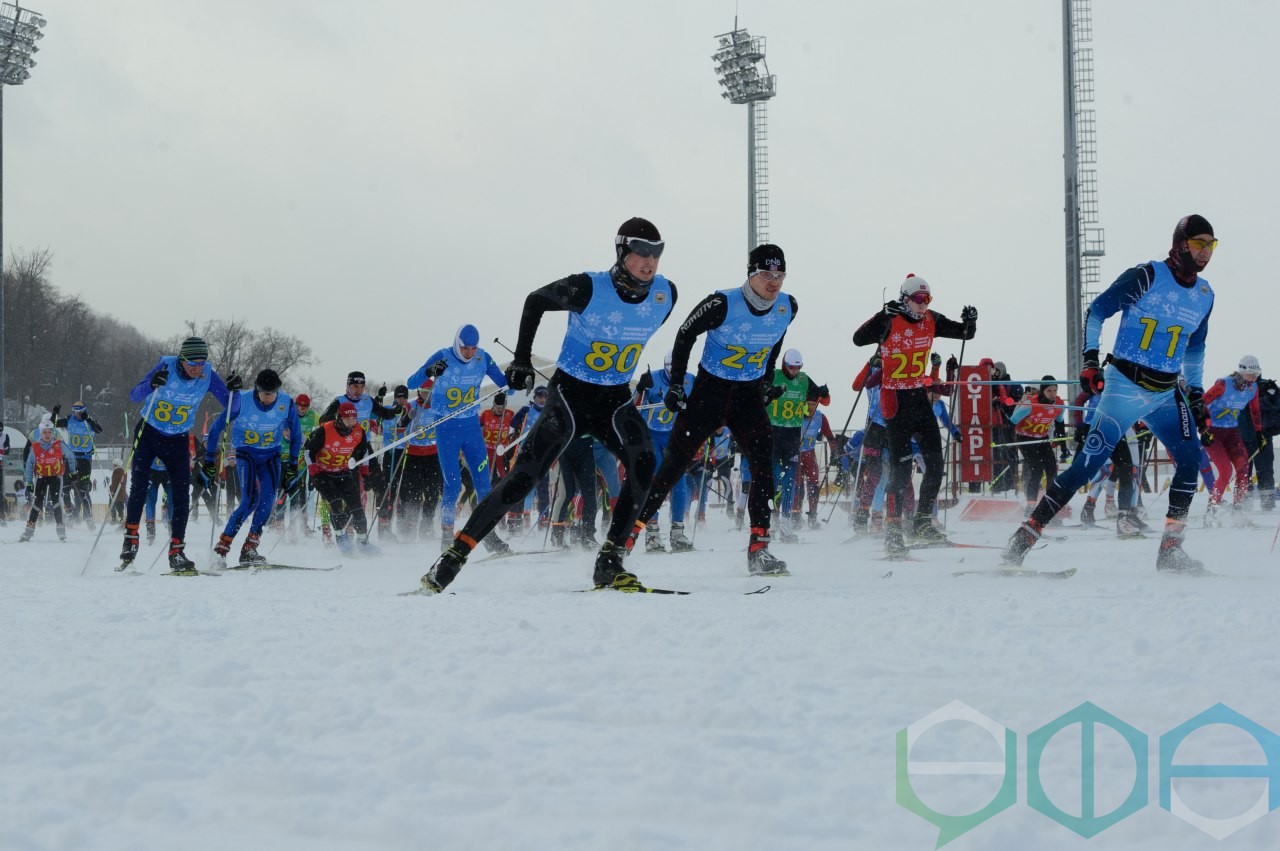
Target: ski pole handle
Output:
{"points": [[504, 448]]}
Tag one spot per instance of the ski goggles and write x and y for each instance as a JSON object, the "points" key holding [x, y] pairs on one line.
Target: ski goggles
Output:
{"points": [[198, 363], [920, 298], [643, 247], [1202, 244], [359, 382], [771, 276]]}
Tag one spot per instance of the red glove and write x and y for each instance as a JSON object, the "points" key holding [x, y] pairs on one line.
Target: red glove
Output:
{"points": [[313, 470]]}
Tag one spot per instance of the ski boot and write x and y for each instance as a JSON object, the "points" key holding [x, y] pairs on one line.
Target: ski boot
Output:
{"points": [[680, 543], [1109, 509], [495, 545], [785, 535], [179, 564], [151, 532], [446, 568], [130, 549], [1211, 518], [877, 522], [739, 518], [609, 572], [860, 521], [1023, 539], [587, 538], [895, 545], [326, 534], [345, 545], [1172, 558], [814, 523], [223, 546], [249, 554], [927, 534], [557, 536], [1239, 519], [1127, 525], [761, 562], [728, 510], [653, 538], [1086, 513], [27, 532], [62, 533]]}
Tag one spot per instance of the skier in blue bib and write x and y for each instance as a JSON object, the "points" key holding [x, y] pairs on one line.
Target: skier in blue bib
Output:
{"points": [[1164, 309], [612, 315], [258, 421], [458, 372], [80, 431], [171, 390]]}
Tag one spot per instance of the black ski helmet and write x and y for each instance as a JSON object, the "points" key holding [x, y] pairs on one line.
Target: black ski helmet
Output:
{"points": [[634, 228], [268, 381]]}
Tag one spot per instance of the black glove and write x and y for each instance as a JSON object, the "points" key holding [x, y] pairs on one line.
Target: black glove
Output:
{"points": [[674, 400], [1090, 375], [875, 361], [290, 472], [823, 391], [235, 382], [519, 373], [969, 316], [159, 378], [1199, 414], [1082, 431], [382, 391], [209, 469], [1064, 454], [437, 369], [953, 368], [645, 382], [773, 391], [892, 308], [53, 415]]}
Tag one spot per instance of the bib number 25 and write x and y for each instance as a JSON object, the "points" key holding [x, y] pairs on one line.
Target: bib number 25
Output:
{"points": [[913, 366]]}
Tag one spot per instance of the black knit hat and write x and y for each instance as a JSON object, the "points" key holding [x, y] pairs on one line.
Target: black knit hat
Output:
{"points": [[1192, 225], [268, 381], [193, 348], [766, 258], [355, 375]]}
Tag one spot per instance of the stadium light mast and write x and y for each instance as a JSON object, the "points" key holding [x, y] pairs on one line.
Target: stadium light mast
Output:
{"points": [[1086, 242], [742, 71], [19, 32]]}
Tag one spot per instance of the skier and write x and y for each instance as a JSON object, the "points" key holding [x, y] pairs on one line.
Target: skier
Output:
{"points": [[1164, 307], [48, 461], [495, 425], [458, 371], [905, 329], [258, 420], [1032, 419], [368, 408], [4, 452], [421, 482], [651, 390], [815, 426], [788, 412], [869, 466], [327, 452], [1225, 400], [172, 390], [744, 327], [612, 315], [80, 431]]}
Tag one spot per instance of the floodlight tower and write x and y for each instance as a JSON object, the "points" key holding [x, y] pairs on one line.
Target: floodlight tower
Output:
{"points": [[1086, 242], [19, 32], [742, 71]]}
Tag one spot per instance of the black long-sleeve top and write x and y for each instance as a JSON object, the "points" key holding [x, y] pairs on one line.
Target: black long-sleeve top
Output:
{"points": [[710, 313], [875, 329]]}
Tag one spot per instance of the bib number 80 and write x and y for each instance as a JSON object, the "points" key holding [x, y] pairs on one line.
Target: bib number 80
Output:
{"points": [[606, 356]]}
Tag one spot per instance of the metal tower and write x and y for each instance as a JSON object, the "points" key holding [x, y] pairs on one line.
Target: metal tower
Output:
{"points": [[1086, 242], [742, 71]]}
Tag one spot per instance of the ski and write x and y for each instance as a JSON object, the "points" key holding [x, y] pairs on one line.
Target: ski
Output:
{"points": [[1019, 572], [644, 589], [942, 545], [197, 573], [512, 553], [254, 568]]}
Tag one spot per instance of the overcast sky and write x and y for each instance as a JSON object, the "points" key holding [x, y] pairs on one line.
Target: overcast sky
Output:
{"points": [[368, 176]]}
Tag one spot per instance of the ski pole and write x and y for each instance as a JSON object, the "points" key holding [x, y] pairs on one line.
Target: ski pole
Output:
{"points": [[545, 377], [128, 466], [504, 448], [382, 502], [353, 463], [1031, 442], [702, 483]]}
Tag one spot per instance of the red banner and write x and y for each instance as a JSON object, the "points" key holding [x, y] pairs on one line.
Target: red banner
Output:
{"points": [[973, 416]]}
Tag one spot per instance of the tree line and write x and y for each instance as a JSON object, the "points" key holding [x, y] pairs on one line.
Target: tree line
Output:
{"points": [[58, 350]]}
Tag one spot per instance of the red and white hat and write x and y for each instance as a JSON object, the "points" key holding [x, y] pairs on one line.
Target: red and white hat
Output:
{"points": [[914, 285]]}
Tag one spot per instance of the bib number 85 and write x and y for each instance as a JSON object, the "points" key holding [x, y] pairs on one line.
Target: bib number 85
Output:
{"points": [[606, 356], [165, 412]]}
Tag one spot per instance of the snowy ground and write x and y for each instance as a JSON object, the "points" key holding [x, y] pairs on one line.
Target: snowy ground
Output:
{"points": [[321, 711]]}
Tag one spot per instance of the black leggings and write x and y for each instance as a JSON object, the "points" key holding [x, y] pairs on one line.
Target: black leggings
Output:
{"points": [[574, 407], [907, 414], [577, 478], [716, 402], [1038, 463], [420, 488], [46, 498], [342, 493]]}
